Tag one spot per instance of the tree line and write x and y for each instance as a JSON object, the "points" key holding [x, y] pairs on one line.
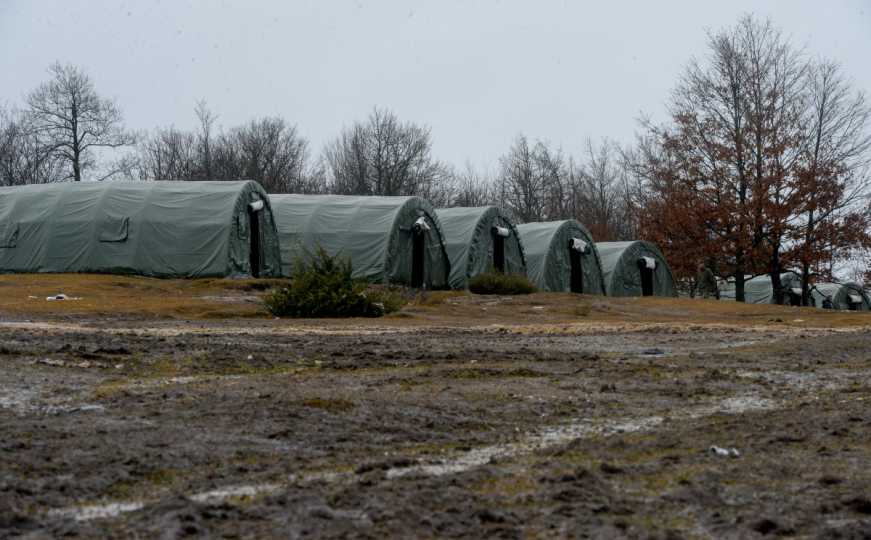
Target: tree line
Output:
{"points": [[762, 164]]}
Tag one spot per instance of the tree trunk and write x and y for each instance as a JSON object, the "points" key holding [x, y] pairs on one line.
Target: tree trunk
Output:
{"points": [[739, 276], [805, 266]]}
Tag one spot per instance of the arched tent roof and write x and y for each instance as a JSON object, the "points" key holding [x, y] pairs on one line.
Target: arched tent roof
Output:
{"points": [[842, 296], [622, 273], [469, 240], [760, 291], [163, 229], [548, 248], [375, 233]]}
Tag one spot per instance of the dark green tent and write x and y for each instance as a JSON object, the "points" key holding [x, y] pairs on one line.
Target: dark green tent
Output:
{"points": [[478, 240], [387, 239], [635, 268], [848, 296], [561, 257], [760, 291], [163, 229]]}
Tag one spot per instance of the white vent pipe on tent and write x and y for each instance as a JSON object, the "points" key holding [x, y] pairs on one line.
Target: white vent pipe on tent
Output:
{"points": [[421, 225], [649, 262], [256, 206], [580, 246], [504, 232]]}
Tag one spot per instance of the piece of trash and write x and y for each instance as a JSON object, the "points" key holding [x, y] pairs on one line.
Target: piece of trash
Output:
{"points": [[60, 296], [725, 452], [537, 307], [653, 352], [798, 320], [250, 357], [33, 297]]}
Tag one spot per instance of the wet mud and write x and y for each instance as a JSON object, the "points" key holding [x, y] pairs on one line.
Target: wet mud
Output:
{"points": [[260, 429]]}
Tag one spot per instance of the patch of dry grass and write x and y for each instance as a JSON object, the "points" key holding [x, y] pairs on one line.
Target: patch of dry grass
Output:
{"points": [[112, 296]]}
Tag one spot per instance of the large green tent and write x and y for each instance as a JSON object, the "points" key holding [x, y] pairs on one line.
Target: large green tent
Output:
{"points": [[635, 268], [841, 296], [163, 229], [387, 239], [759, 290], [561, 257], [478, 240]]}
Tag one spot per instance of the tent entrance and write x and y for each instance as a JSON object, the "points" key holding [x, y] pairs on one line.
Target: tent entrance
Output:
{"points": [[256, 238], [577, 278], [418, 252], [577, 248], [646, 267], [499, 253], [499, 236], [854, 302]]}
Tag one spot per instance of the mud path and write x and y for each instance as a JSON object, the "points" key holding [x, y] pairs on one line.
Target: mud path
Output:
{"points": [[542, 431]]}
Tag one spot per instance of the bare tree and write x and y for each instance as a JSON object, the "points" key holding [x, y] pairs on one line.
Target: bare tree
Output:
{"points": [[206, 120], [169, 154], [472, 188], [72, 120], [599, 192], [834, 170], [23, 160], [270, 151], [532, 181], [385, 156]]}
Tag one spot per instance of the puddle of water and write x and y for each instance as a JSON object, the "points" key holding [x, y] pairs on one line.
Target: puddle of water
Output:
{"points": [[97, 511], [216, 495], [581, 428]]}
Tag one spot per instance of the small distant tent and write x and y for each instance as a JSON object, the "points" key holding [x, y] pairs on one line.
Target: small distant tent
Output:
{"points": [[562, 257], [635, 268], [160, 229], [479, 240], [849, 296], [759, 290], [387, 239]]}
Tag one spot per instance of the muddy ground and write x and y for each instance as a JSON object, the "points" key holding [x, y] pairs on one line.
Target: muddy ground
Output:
{"points": [[504, 424]]}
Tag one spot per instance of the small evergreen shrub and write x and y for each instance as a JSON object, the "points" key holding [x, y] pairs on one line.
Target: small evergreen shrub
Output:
{"points": [[325, 288], [499, 283]]}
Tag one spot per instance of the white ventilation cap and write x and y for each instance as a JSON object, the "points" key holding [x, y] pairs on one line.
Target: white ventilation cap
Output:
{"points": [[579, 245], [649, 262], [256, 206], [421, 224], [504, 232]]}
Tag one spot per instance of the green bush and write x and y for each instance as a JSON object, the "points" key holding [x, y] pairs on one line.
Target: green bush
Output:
{"points": [[499, 283], [325, 288]]}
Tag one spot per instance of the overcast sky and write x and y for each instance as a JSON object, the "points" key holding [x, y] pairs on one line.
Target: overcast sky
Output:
{"points": [[477, 72]]}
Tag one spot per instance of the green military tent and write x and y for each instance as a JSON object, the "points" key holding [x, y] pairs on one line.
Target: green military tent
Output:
{"points": [[561, 257], [163, 229], [635, 268], [387, 239], [478, 240], [841, 296], [759, 290]]}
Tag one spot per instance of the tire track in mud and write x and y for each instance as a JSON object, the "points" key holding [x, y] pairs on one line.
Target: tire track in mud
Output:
{"points": [[429, 466]]}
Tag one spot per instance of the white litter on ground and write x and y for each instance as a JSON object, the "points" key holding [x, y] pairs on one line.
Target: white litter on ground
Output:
{"points": [[725, 452], [61, 296]]}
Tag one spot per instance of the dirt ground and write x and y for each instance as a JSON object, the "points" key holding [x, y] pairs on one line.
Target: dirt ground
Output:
{"points": [[163, 409]]}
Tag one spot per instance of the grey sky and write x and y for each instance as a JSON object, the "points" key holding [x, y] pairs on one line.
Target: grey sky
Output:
{"points": [[477, 72]]}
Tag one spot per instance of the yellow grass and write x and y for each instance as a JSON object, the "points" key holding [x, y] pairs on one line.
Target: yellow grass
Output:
{"points": [[110, 297], [106, 295]]}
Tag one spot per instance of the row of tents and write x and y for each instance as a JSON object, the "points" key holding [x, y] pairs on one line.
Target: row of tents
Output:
{"points": [[759, 290], [200, 229]]}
